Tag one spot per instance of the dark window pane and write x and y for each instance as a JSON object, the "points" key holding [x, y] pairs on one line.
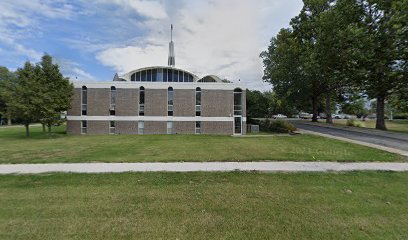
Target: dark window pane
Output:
{"points": [[154, 75], [170, 97], [237, 98], [165, 74], [113, 96], [143, 76], [170, 75], [138, 77], [133, 77], [175, 76], [142, 97], [160, 75], [237, 123], [84, 97], [149, 75], [198, 98]]}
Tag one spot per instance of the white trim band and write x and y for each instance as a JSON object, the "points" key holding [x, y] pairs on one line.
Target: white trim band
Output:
{"points": [[152, 118]]}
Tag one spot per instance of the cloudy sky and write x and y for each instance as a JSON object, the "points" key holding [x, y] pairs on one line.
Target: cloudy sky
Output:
{"points": [[92, 40]]}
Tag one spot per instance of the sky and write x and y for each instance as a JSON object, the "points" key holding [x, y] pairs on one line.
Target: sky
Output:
{"points": [[93, 40]]}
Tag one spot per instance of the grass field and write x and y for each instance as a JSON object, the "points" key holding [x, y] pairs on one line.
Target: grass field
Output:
{"points": [[394, 126], [358, 205], [15, 148]]}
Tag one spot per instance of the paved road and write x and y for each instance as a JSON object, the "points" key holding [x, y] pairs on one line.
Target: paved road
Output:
{"points": [[199, 167], [388, 139]]}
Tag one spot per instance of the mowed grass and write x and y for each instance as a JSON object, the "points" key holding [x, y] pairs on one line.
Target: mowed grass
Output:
{"points": [[394, 126], [15, 148], [358, 205]]}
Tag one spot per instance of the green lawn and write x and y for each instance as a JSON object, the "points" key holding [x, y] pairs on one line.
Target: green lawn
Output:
{"points": [[358, 205], [169, 148], [394, 126]]}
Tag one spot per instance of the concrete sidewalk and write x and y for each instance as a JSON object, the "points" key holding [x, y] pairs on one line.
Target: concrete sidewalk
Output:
{"points": [[201, 167]]}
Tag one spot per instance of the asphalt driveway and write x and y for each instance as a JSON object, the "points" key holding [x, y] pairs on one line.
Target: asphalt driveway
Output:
{"points": [[383, 138]]}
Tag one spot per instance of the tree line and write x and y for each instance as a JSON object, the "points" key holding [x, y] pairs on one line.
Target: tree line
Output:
{"points": [[339, 48], [35, 93]]}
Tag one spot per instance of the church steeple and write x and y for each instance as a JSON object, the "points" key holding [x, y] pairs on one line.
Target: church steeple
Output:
{"points": [[172, 57]]}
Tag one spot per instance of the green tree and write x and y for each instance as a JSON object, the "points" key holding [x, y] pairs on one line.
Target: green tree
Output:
{"points": [[381, 50], [283, 68], [354, 107], [56, 92], [24, 100], [332, 48], [256, 104], [7, 78]]}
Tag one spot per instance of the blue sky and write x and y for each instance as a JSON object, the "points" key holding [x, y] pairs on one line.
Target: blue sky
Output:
{"points": [[92, 40]]}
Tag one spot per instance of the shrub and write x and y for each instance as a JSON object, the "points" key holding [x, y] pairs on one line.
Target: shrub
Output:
{"points": [[278, 126], [354, 123], [401, 116]]}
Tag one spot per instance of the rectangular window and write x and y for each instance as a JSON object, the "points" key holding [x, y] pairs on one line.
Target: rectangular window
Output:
{"points": [[198, 110], [198, 102], [84, 127], [165, 75], [141, 101], [159, 75], [149, 75], [170, 98], [143, 75], [84, 101], [138, 77], [170, 110], [185, 79], [237, 103], [169, 127], [198, 128], [140, 127], [112, 127], [112, 108], [155, 75], [175, 76], [84, 109], [170, 75]]}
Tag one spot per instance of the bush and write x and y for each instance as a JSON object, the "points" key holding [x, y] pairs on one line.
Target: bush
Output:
{"points": [[354, 123], [278, 126], [401, 116]]}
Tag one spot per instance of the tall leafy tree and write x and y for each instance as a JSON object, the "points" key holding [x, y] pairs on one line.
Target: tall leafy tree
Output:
{"points": [[7, 78], [333, 48], [307, 27], [284, 69], [24, 101], [381, 50], [56, 92]]}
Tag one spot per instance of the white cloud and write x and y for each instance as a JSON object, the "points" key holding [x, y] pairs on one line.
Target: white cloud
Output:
{"points": [[73, 70], [223, 37], [150, 9], [20, 20]]}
